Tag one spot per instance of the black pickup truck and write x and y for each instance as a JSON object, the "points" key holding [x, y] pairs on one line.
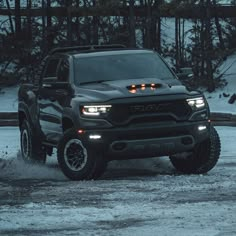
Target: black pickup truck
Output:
{"points": [[95, 104]]}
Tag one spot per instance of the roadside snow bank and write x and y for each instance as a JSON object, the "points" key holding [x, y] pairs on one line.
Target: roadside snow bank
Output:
{"points": [[8, 99]]}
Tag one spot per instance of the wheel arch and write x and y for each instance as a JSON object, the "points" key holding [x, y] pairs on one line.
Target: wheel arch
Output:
{"points": [[21, 117], [67, 123], [23, 114]]}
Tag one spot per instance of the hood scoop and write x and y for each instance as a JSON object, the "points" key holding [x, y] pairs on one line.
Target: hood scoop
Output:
{"points": [[144, 87]]}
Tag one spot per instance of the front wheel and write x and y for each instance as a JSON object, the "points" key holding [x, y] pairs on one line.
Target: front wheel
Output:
{"points": [[32, 150], [76, 161], [202, 158]]}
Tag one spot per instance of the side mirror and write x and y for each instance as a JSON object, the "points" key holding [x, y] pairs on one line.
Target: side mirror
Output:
{"points": [[63, 87], [185, 74], [190, 76], [52, 83]]}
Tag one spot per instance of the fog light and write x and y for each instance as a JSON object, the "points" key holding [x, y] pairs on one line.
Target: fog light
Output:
{"points": [[81, 131], [95, 136], [202, 127]]}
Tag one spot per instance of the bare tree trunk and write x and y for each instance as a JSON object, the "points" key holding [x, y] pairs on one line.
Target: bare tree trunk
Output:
{"points": [[218, 28], [29, 21], [219, 31], [182, 41], [29, 39], [78, 24], [69, 23], [95, 26], [10, 17], [149, 24], [88, 31], [202, 40], [132, 38], [209, 50], [156, 29], [177, 43], [43, 23], [49, 18], [50, 34], [17, 18]]}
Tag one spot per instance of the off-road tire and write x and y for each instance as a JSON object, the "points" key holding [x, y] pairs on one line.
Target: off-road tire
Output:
{"points": [[32, 150], [202, 159], [76, 160]]}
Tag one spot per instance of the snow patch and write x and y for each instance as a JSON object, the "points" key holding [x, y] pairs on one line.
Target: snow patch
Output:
{"points": [[158, 165], [217, 101], [17, 169], [9, 99]]}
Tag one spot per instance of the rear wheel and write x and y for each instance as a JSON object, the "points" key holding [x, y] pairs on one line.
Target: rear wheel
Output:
{"points": [[76, 161], [32, 150], [202, 159]]}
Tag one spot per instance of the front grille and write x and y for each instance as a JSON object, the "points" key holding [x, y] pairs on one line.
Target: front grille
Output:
{"points": [[149, 112]]}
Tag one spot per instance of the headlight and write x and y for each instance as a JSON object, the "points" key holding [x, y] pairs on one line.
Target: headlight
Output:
{"points": [[196, 103], [95, 110]]}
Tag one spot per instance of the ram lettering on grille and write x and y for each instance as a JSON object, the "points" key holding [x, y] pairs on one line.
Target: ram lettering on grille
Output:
{"points": [[146, 108]]}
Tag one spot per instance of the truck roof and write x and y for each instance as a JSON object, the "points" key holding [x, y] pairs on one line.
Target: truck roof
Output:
{"points": [[88, 48], [96, 50], [112, 52]]}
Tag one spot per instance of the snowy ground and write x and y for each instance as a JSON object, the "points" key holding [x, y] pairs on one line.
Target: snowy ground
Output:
{"points": [[8, 99], [145, 197]]}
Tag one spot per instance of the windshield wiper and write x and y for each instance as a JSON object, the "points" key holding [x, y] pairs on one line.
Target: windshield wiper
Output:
{"points": [[94, 82]]}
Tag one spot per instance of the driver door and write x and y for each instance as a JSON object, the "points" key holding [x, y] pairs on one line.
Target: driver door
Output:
{"points": [[53, 96]]}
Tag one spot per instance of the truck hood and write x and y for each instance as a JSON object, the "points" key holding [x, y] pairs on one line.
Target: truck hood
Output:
{"points": [[109, 90]]}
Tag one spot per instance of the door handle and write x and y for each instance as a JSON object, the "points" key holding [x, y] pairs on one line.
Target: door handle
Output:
{"points": [[47, 86]]}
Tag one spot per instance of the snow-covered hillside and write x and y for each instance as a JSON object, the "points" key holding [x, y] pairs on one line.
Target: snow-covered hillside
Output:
{"points": [[217, 101]]}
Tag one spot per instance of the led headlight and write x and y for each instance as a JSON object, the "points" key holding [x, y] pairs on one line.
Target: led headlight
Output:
{"points": [[196, 103], [95, 110]]}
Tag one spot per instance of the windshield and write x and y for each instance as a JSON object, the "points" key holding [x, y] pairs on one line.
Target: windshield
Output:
{"points": [[123, 66]]}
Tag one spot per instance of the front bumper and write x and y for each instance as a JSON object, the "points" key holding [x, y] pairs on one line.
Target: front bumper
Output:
{"points": [[151, 141]]}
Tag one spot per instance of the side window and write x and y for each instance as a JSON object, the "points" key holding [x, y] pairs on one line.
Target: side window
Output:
{"points": [[39, 72], [51, 68], [63, 71]]}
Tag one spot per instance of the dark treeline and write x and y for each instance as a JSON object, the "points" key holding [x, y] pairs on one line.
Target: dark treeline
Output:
{"points": [[26, 39]]}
